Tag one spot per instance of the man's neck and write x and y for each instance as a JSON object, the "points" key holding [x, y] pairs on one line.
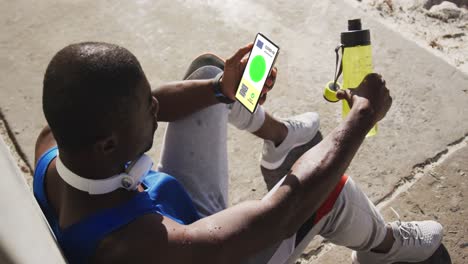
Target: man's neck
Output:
{"points": [[72, 204], [88, 166]]}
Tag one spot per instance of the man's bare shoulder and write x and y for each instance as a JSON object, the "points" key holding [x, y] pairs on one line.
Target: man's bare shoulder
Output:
{"points": [[45, 140], [151, 238]]}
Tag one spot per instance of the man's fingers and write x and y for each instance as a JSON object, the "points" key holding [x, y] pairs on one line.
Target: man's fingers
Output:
{"points": [[241, 52], [373, 76], [274, 72], [262, 99], [244, 61], [270, 81], [342, 94], [243, 64]]}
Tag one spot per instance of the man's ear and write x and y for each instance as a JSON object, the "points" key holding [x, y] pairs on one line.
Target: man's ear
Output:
{"points": [[107, 145]]}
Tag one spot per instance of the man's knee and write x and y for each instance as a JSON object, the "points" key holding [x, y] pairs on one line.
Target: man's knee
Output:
{"points": [[242, 119], [207, 59], [204, 72]]}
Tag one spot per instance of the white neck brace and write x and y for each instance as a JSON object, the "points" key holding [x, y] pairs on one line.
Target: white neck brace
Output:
{"points": [[128, 181]]}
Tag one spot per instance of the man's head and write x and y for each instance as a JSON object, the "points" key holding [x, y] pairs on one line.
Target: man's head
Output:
{"points": [[97, 100]]}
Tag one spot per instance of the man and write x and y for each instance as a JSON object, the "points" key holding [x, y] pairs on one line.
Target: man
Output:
{"points": [[102, 116]]}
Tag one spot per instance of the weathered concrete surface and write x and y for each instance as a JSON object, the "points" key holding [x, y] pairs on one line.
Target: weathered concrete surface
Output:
{"points": [[429, 108], [439, 195]]}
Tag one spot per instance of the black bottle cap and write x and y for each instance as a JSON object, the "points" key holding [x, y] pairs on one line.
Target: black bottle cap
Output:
{"points": [[354, 24], [355, 36]]}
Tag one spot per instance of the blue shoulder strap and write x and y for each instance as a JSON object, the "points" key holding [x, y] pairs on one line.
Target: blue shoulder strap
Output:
{"points": [[39, 190]]}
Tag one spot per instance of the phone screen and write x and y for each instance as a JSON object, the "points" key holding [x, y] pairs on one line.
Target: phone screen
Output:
{"points": [[261, 60]]}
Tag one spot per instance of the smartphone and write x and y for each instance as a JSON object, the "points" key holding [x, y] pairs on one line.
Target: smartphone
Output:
{"points": [[261, 61]]}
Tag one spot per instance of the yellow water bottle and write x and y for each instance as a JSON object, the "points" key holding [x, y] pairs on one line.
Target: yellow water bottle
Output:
{"points": [[356, 63], [357, 59]]}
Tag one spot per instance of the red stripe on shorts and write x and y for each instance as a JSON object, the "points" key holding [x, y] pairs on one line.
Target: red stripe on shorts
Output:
{"points": [[327, 206]]}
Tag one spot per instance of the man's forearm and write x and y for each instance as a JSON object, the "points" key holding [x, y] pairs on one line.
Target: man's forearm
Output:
{"points": [[251, 226], [316, 172], [179, 99]]}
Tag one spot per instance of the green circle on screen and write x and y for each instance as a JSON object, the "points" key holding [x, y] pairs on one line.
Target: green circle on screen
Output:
{"points": [[257, 68]]}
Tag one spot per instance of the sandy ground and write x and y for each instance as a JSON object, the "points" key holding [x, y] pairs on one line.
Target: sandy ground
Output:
{"points": [[443, 33]]}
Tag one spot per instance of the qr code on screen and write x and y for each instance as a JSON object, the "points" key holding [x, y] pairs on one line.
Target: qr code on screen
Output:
{"points": [[243, 90]]}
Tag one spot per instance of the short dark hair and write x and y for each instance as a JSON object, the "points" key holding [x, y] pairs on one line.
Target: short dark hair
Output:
{"points": [[88, 89]]}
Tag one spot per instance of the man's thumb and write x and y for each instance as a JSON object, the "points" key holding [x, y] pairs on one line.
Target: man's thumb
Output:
{"points": [[343, 94]]}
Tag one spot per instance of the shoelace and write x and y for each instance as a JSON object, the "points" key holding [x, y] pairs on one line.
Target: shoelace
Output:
{"points": [[409, 231], [295, 123]]}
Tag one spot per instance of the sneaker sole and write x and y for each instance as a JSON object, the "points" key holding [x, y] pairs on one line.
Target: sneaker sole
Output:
{"points": [[440, 256], [272, 176], [354, 258], [275, 165]]}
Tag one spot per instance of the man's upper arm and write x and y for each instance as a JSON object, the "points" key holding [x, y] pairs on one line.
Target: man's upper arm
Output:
{"points": [[153, 238], [44, 141], [229, 236]]}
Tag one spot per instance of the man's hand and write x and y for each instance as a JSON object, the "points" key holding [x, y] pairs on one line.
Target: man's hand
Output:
{"points": [[270, 82], [233, 69], [372, 94]]}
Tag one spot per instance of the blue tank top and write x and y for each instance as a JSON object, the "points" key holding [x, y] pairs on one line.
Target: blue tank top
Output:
{"points": [[164, 195]]}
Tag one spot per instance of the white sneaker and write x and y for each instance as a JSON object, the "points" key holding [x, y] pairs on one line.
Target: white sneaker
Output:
{"points": [[301, 129], [414, 242]]}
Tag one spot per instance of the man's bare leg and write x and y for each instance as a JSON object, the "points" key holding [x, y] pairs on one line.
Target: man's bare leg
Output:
{"points": [[272, 129], [387, 243]]}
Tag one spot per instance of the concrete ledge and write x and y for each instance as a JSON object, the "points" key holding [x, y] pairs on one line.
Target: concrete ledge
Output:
{"points": [[25, 236]]}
